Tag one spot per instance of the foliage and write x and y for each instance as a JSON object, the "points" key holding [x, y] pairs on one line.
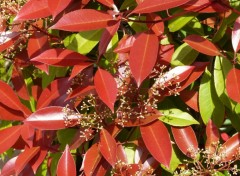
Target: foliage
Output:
{"points": [[134, 87]]}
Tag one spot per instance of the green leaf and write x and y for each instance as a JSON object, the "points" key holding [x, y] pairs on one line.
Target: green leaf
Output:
{"points": [[180, 21], [221, 68], [127, 4], [65, 136], [220, 32], [194, 27], [130, 149], [138, 27], [177, 117], [83, 42], [184, 55], [209, 104]]}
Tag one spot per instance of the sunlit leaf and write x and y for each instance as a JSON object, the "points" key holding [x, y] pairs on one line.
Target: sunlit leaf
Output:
{"points": [[233, 84], [108, 147], [66, 164], [24, 158], [142, 61], [236, 35], [149, 6], [9, 167], [157, 141], [83, 20], [212, 137], [190, 97], [230, 149], [107, 94], [158, 28], [7, 39], [186, 140], [8, 137], [33, 9], [176, 117], [202, 45], [60, 57], [56, 7], [91, 160], [49, 118]]}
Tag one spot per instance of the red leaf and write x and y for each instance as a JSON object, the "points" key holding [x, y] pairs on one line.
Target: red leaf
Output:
{"points": [[9, 167], [60, 57], [37, 44], [108, 3], [8, 137], [7, 113], [212, 137], [224, 136], [202, 45], [190, 97], [125, 44], [19, 84], [7, 39], [157, 140], [131, 122], [49, 118], [108, 147], [54, 91], [157, 28], [57, 6], [91, 160], [24, 158], [33, 9], [204, 6], [233, 84], [81, 92], [107, 94], [236, 35], [107, 35], [230, 148], [148, 6], [84, 20], [102, 168], [198, 70], [142, 61], [165, 54], [27, 134], [186, 140], [66, 164], [77, 69], [121, 154]]}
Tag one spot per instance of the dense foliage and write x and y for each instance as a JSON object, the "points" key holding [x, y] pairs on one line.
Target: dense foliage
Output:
{"points": [[123, 87]]}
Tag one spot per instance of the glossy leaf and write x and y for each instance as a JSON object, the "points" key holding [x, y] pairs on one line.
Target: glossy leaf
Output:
{"points": [[230, 148], [176, 117], [9, 167], [202, 45], [38, 160], [82, 20], [91, 160], [186, 140], [49, 118], [107, 94], [8, 137], [24, 158], [56, 7], [66, 164], [209, 104], [149, 6], [83, 42], [107, 35], [33, 9], [108, 147], [60, 57], [212, 137], [7, 39], [7, 113], [190, 97], [233, 85], [236, 35], [184, 55], [108, 3], [142, 61], [157, 140]]}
